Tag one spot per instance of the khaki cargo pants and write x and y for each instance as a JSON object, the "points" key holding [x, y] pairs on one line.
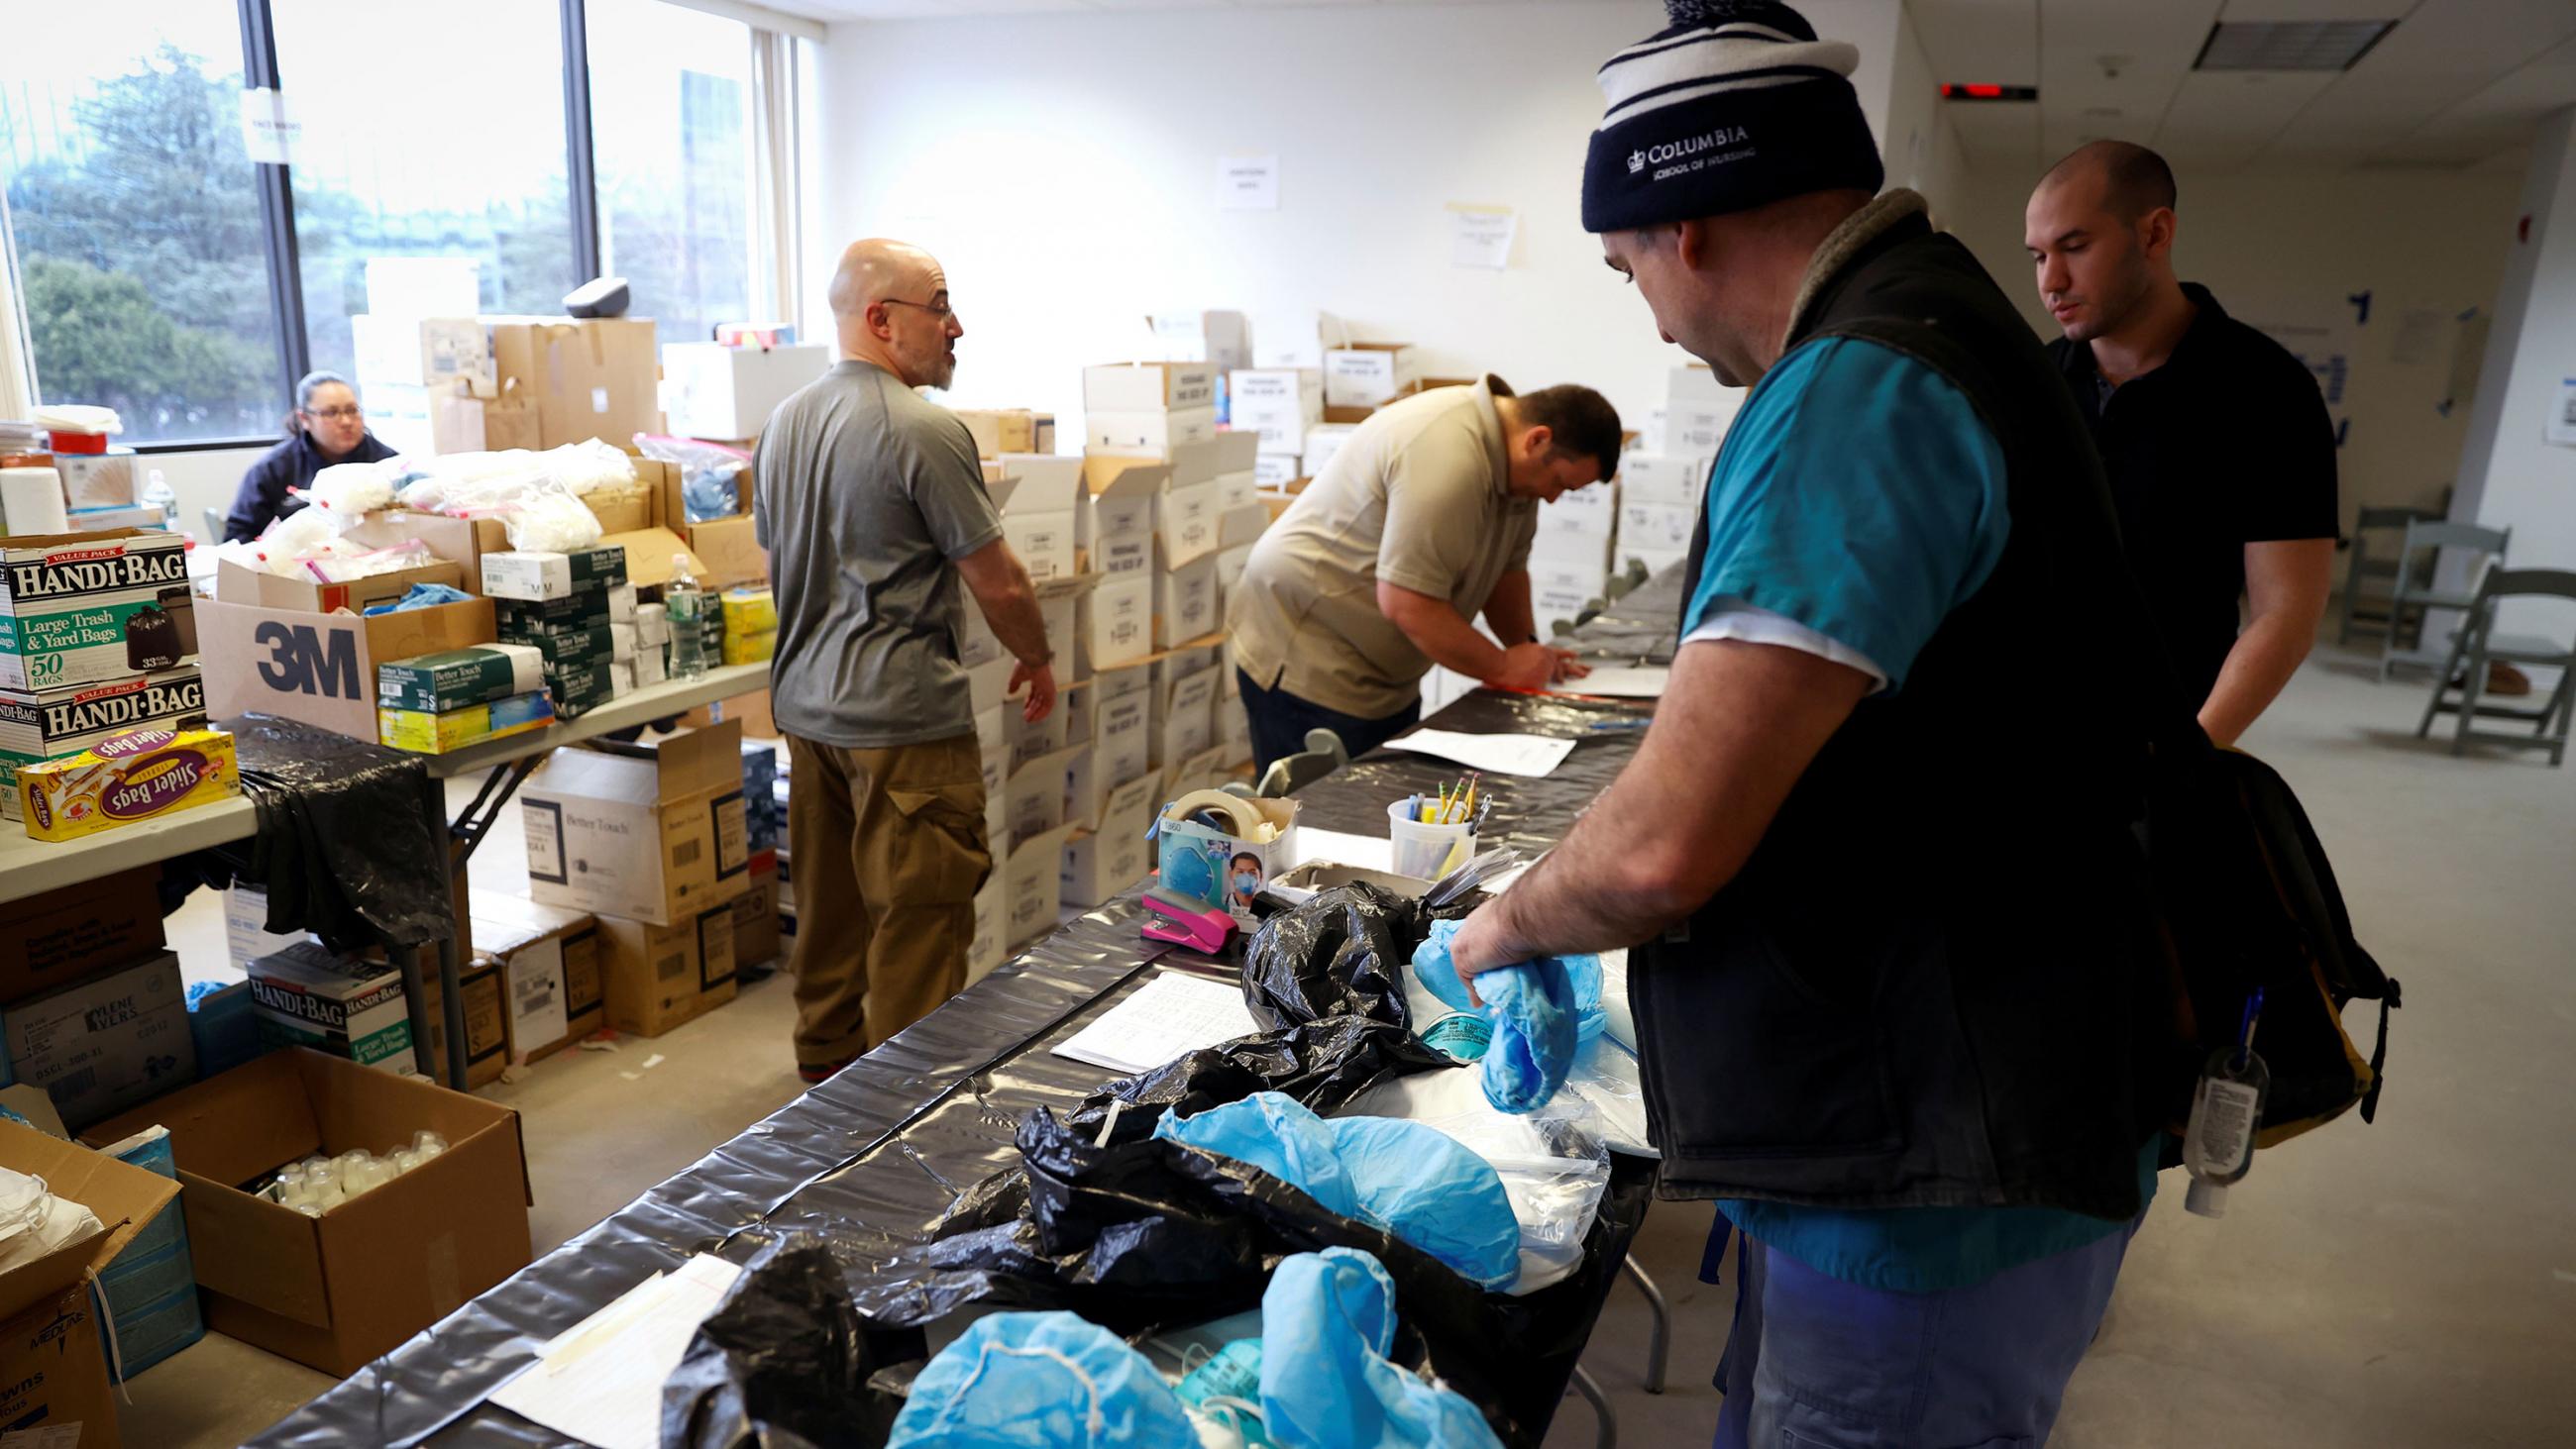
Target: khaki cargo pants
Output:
{"points": [[888, 849]]}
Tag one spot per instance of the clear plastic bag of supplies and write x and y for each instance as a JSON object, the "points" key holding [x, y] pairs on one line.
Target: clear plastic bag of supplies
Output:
{"points": [[587, 466], [499, 482], [550, 520], [1553, 1164], [351, 490], [340, 566], [711, 475]]}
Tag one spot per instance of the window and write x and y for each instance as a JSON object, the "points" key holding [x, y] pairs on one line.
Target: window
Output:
{"points": [[397, 162], [137, 216], [670, 92]]}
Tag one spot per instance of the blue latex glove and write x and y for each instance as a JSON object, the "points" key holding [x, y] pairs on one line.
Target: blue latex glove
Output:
{"points": [[1040, 1381], [1536, 1011], [1327, 1321], [420, 596], [1410, 1181]]}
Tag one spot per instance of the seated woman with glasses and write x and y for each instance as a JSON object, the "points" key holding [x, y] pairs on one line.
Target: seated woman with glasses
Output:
{"points": [[328, 427]]}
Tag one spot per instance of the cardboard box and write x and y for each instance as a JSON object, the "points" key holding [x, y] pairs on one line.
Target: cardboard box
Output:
{"points": [[1031, 896], [1118, 531], [648, 831], [649, 552], [1200, 862], [65, 934], [1242, 524], [1674, 479], [755, 915], [1039, 498], [485, 992], [466, 416], [549, 962], [100, 1044], [1657, 527], [986, 950], [537, 575], [235, 584], [730, 549], [340, 1290], [246, 933], [1033, 800], [321, 668], [69, 603], [309, 995], [1230, 565], [1187, 724], [459, 678], [1322, 442], [460, 541], [421, 351], [591, 377], [656, 977], [1146, 435], [1278, 470], [1123, 740], [54, 1386], [56, 724], [1000, 430], [1185, 603], [1113, 856], [1275, 405], [1148, 387], [1116, 621], [1186, 525], [710, 390], [1368, 374]]}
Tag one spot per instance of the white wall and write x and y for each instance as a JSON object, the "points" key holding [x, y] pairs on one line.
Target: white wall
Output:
{"points": [[2511, 477], [1063, 168], [203, 480], [2292, 248]]}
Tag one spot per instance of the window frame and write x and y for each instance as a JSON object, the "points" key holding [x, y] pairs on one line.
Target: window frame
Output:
{"points": [[277, 193]]}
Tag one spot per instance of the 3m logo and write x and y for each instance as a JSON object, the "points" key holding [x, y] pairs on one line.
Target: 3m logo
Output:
{"points": [[300, 662]]}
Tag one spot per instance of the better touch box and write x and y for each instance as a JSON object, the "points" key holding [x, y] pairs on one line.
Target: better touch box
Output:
{"points": [[309, 995], [77, 608], [100, 1045], [648, 832]]}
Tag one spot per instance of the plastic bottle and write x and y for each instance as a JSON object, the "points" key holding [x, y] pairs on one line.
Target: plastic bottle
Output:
{"points": [[685, 604], [157, 493], [2226, 1108]]}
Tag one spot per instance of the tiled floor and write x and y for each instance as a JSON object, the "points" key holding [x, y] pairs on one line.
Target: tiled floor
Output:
{"points": [[2407, 1283]]}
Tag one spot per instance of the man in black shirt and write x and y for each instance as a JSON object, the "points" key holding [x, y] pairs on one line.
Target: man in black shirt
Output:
{"points": [[2220, 455]]}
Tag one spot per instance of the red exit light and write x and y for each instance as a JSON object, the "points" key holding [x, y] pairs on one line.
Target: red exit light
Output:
{"points": [[1989, 93]]}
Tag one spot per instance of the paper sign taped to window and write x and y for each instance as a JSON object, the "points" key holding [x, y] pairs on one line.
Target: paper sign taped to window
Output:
{"points": [[270, 132]]}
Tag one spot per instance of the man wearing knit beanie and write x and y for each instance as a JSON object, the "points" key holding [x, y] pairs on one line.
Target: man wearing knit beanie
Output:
{"points": [[1892, 1003]]}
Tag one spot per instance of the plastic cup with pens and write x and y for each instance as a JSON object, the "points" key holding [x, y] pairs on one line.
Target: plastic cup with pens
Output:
{"points": [[1433, 834]]}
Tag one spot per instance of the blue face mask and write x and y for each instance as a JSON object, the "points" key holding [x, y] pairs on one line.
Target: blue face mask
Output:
{"points": [[1246, 883], [1040, 1381], [1327, 1320]]}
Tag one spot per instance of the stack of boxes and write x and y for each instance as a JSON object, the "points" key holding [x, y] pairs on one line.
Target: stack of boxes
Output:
{"points": [[434, 703], [92, 1010], [1660, 497], [98, 635], [565, 605], [1570, 557], [1277, 406]]}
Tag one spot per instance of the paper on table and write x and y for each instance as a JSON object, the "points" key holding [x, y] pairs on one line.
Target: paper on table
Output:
{"points": [[1368, 852], [1619, 681], [1504, 754], [1170, 1015], [600, 1381]]}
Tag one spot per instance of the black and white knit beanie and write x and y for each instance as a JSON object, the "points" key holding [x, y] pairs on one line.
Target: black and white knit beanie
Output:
{"points": [[1734, 105]]}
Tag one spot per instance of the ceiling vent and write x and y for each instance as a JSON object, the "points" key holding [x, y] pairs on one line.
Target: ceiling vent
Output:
{"points": [[2289, 44]]}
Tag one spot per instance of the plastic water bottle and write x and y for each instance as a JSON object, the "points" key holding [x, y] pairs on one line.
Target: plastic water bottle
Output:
{"points": [[686, 605], [157, 493]]}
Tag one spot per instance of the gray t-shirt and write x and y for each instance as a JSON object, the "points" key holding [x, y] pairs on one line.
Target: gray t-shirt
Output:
{"points": [[867, 492]]}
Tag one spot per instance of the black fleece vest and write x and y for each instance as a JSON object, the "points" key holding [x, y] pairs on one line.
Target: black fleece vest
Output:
{"points": [[1930, 983]]}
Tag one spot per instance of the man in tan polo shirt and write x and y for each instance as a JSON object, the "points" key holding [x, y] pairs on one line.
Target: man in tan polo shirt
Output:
{"points": [[1421, 522]]}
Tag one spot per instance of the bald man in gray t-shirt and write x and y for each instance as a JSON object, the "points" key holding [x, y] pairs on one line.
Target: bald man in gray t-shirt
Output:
{"points": [[871, 503]]}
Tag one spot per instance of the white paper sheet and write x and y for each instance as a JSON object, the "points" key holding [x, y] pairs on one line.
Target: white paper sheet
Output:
{"points": [[1368, 852], [1504, 754], [1481, 236], [1620, 681], [1247, 183], [1168, 1016], [601, 1380]]}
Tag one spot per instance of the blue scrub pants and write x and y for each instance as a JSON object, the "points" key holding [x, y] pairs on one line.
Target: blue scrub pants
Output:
{"points": [[1814, 1362]]}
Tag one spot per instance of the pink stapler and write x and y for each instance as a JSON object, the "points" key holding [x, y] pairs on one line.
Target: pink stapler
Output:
{"points": [[1186, 921]]}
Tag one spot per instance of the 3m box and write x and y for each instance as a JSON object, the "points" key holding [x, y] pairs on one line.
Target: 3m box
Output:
{"points": [[1148, 387], [99, 1045], [343, 1289], [1185, 603], [1368, 374], [457, 678], [656, 977], [321, 668], [711, 390], [78, 608], [65, 934], [648, 832], [308, 995], [534, 575], [1146, 435], [56, 723]]}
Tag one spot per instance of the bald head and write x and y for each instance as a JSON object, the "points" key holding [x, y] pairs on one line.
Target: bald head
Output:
{"points": [[2133, 179], [890, 305]]}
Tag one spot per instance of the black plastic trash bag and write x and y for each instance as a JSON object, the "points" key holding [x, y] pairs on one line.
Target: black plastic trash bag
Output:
{"points": [[343, 848], [784, 1363], [1322, 1064], [1341, 953]]}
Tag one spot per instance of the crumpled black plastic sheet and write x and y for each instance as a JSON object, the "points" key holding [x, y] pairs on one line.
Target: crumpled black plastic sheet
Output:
{"points": [[343, 848], [1638, 628], [870, 1159]]}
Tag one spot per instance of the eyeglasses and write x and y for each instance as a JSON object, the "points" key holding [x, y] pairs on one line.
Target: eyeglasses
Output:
{"points": [[939, 311], [337, 415]]}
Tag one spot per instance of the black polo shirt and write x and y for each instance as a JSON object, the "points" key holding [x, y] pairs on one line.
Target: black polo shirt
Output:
{"points": [[2226, 444]]}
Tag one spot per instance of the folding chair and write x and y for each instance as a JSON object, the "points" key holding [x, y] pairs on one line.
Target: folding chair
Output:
{"points": [[2409, 600], [214, 525], [2478, 644], [1627, 580], [2363, 569], [1323, 755]]}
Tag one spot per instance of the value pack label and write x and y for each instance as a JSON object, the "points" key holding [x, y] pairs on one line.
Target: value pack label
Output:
{"points": [[80, 608]]}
